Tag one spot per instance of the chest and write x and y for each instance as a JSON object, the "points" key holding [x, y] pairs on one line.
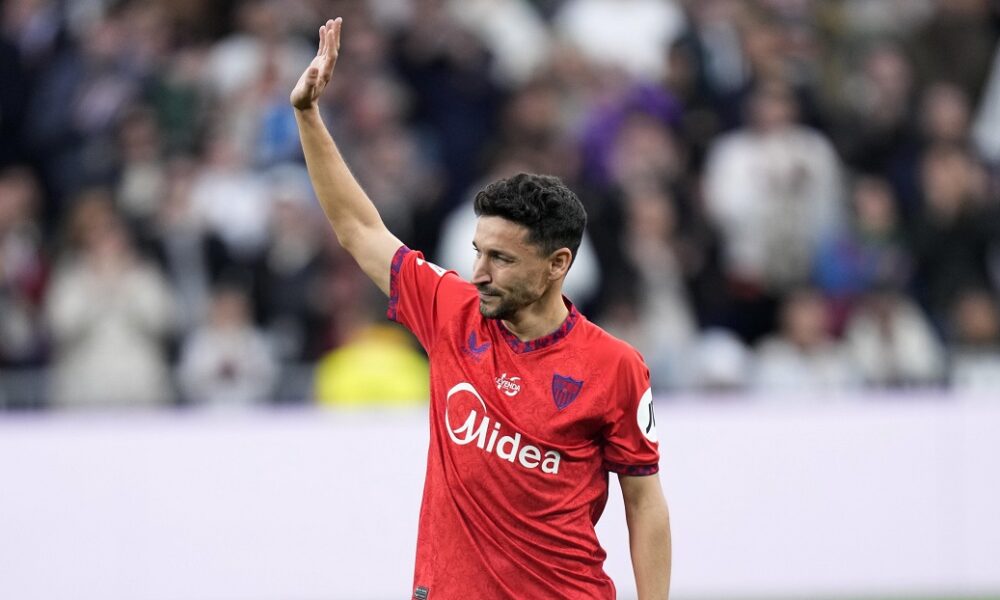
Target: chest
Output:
{"points": [[554, 395]]}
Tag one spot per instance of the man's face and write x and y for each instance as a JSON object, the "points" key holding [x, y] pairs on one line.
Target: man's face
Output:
{"points": [[510, 273]]}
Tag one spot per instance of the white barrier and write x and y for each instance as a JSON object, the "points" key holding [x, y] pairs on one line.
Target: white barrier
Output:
{"points": [[794, 499]]}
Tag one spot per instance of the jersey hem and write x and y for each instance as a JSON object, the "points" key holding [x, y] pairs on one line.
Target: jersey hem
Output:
{"points": [[631, 470]]}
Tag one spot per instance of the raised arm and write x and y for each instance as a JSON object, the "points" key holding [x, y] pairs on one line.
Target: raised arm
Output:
{"points": [[649, 534], [354, 218]]}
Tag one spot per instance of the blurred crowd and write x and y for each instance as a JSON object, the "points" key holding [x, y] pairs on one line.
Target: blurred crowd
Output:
{"points": [[783, 195]]}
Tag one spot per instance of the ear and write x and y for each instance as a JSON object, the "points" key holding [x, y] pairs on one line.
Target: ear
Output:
{"points": [[559, 262]]}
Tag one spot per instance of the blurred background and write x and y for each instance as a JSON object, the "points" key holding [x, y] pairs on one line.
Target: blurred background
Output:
{"points": [[783, 194], [794, 208]]}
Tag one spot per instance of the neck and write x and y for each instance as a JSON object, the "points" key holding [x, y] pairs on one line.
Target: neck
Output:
{"points": [[539, 318]]}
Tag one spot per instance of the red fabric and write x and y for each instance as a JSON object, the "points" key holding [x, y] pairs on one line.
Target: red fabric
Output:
{"points": [[515, 483]]}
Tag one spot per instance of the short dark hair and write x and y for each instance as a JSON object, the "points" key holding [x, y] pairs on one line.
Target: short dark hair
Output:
{"points": [[553, 214]]}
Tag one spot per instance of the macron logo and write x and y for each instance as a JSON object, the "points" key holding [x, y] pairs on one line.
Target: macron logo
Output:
{"points": [[490, 438], [508, 386], [475, 349]]}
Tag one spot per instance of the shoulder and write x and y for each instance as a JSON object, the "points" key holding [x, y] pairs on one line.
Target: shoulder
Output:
{"points": [[607, 348], [413, 262]]}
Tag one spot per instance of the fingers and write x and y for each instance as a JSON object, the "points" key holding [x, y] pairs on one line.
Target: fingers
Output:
{"points": [[330, 47], [333, 37], [327, 32]]}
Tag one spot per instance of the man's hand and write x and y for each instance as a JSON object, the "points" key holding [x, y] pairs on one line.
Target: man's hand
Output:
{"points": [[314, 79]]}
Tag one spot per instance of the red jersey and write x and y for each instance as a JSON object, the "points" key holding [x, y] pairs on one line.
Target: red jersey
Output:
{"points": [[522, 437]]}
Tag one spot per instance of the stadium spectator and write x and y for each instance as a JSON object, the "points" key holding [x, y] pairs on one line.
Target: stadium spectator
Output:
{"points": [[23, 270], [975, 342], [231, 200], [227, 361], [987, 120], [954, 233], [377, 366], [261, 43], [893, 344], [774, 189], [630, 35], [109, 312], [291, 268], [32, 27], [191, 257], [875, 105], [142, 180], [719, 364], [13, 99], [803, 356], [656, 315], [76, 106], [870, 254], [514, 33], [955, 45], [449, 71]]}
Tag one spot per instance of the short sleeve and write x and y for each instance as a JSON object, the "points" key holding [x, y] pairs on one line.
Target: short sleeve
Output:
{"points": [[422, 295], [631, 446]]}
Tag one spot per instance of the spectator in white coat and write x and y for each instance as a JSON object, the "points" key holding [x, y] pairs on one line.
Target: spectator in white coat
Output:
{"points": [[110, 313]]}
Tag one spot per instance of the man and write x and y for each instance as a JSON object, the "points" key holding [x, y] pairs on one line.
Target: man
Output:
{"points": [[531, 405]]}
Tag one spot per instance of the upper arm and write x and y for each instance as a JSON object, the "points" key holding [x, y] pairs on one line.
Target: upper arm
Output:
{"points": [[630, 440], [373, 249]]}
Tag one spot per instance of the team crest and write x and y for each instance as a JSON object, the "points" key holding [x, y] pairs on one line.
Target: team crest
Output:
{"points": [[565, 390]]}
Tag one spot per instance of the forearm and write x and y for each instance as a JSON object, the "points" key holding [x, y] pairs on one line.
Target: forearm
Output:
{"points": [[354, 219], [347, 207], [650, 546]]}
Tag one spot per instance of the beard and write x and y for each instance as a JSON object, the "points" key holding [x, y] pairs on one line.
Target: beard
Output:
{"points": [[507, 304]]}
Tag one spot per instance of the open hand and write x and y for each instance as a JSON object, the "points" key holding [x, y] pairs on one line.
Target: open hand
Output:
{"points": [[314, 79]]}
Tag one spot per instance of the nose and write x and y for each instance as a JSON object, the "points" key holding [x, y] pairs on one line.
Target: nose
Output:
{"points": [[480, 274]]}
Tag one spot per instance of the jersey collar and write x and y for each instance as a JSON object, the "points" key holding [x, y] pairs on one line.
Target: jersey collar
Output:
{"points": [[545, 341]]}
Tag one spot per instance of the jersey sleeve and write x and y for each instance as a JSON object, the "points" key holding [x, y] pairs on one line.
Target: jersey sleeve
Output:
{"points": [[422, 294], [631, 446]]}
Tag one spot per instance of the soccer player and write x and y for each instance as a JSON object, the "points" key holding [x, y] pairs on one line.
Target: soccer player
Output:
{"points": [[531, 404]]}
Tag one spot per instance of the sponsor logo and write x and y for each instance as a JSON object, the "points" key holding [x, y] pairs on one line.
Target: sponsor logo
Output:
{"points": [[565, 390], [490, 436], [509, 386], [645, 417], [473, 348]]}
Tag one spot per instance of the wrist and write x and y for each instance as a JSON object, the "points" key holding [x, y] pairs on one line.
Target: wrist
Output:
{"points": [[310, 112]]}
